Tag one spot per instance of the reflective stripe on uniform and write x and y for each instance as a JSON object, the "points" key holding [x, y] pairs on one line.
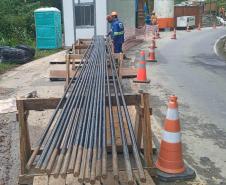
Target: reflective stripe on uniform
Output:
{"points": [[118, 33], [171, 137], [172, 114]]}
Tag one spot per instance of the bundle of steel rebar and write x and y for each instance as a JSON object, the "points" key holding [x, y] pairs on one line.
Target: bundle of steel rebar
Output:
{"points": [[75, 138]]}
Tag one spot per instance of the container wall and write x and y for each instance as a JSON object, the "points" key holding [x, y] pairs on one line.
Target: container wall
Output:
{"points": [[189, 11], [164, 10], [69, 30], [84, 33], [101, 13], [84, 29]]}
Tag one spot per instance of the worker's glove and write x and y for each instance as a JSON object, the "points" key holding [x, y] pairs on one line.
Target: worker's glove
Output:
{"points": [[109, 33]]}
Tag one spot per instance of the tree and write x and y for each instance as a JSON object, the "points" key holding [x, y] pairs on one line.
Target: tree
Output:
{"points": [[17, 20]]}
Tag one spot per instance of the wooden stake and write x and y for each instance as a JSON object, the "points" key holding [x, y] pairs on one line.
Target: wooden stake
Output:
{"points": [[67, 57], [138, 127], [25, 146], [146, 127]]}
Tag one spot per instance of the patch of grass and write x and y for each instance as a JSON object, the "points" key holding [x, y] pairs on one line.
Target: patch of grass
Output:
{"points": [[7, 66], [45, 53]]}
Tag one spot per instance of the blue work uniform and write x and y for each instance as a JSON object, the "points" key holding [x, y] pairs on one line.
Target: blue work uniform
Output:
{"points": [[148, 20], [117, 34]]}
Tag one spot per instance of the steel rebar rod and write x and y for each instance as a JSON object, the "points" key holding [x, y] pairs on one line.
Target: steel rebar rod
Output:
{"points": [[42, 138], [63, 122], [122, 129], [64, 111], [129, 123], [64, 147], [112, 126]]}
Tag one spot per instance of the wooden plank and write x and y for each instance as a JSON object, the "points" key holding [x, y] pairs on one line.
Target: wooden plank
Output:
{"points": [[123, 178], [76, 61], [147, 136], [51, 103], [25, 179], [128, 72], [119, 148], [138, 127], [117, 55], [149, 180], [110, 180], [61, 75], [73, 56], [71, 180], [40, 103], [41, 180], [57, 180], [25, 146], [81, 47], [85, 40], [68, 77]]}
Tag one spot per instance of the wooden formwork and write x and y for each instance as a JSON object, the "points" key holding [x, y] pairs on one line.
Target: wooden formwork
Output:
{"points": [[77, 50], [72, 59], [142, 126]]}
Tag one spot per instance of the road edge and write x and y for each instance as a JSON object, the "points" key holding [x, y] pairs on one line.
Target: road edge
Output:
{"points": [[218, 47]]}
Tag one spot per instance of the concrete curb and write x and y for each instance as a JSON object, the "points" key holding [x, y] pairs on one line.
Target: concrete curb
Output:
{"points": [[219, 47]]}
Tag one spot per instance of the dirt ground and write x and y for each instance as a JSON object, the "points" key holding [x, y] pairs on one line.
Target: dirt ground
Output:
{"points": [[19, 82]]}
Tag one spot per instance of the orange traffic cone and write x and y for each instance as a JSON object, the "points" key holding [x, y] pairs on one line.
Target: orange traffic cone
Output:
{"points": [[141, 72], [188, 30], [170, 159], [174, 36], [151, 55]]}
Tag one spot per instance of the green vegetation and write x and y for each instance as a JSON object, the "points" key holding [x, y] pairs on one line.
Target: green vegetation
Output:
{"points": [[17, 20], [17, 25], [44, 53], [6, 66]]}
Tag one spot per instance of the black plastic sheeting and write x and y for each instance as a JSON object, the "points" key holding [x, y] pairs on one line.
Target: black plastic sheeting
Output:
{"points": [[20, 54]]}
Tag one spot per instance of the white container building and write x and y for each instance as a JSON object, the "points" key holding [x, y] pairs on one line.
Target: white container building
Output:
{"points": [[164, 10], [85, 18]]}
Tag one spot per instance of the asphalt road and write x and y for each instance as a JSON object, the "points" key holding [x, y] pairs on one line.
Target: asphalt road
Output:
{"points": [[197, 72], [189, 68]]}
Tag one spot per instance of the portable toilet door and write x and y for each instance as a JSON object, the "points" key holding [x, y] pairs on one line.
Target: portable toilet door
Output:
{"points": [[48, 28]]}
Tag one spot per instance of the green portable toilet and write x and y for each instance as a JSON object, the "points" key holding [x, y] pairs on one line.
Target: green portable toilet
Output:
{"points": [[48, 28]]}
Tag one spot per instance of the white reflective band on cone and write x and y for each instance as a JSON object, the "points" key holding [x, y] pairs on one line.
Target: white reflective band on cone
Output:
{"points": [[171, 137], [172, 114]]}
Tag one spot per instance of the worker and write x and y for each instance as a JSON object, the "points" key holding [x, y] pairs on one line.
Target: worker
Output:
{"points": [[154, 21], [117, 31], [154, 18]]}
